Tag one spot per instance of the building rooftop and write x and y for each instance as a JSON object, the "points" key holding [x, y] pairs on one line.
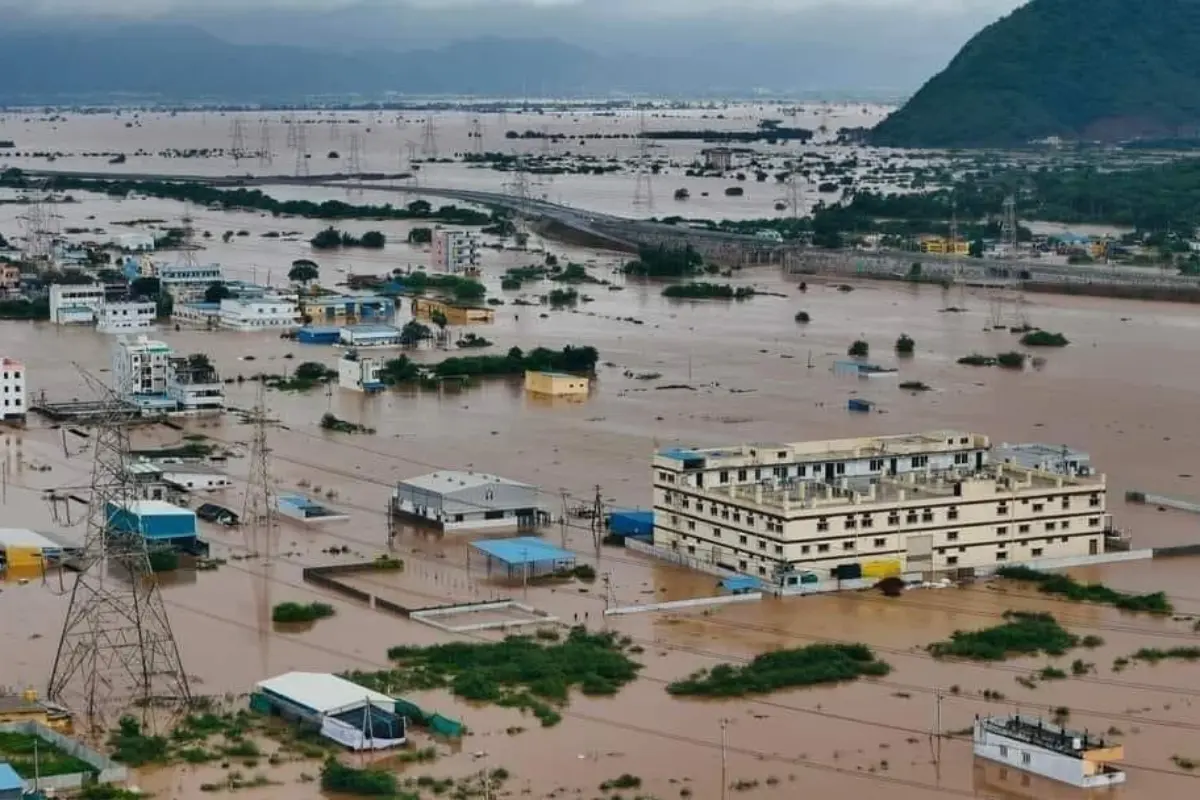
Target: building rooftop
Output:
{"points": [[21, 537], [523, 550], [836, 449], [11, 363], [454, 480], [381, 330], [324, 693], [866, 492], [1045, 734], [10, 781], [157, 507]]}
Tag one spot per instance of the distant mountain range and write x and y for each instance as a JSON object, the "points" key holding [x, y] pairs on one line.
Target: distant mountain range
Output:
{"points": [[535, 50], [1104, 70]]}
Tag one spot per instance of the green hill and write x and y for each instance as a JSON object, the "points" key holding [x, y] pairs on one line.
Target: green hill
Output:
{"points": [[1103, 70]]}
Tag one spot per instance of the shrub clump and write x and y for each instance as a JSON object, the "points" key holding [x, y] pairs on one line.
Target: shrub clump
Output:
{"points": [[337, 777], [859, 349], [784, 669], [803, 318], [301, 612], [1065, 586], [1044, 339], [905, 345], [1022, 633], [707, 291]]}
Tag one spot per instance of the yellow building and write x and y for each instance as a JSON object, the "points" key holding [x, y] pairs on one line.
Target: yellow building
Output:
{"points": [[555, 384], [26, 707], [425, 307], [939, 246]]}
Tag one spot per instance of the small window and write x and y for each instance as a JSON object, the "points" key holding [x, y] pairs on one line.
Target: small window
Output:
{"points": [[1036, 552], [851, 523], [1066, 503], [1065, 524], [1002, 530], [823, 548], [881, 542], [1001, 510], [1022, 529], [778, 549], [1002, 556], [723, 477], [804, 549], [952, 536], [741, 475], [951, 560], [952, 513], [1037, 507], [1051, 526], [1004, 751], [1093, 522], [741, 540], [822, 524], [691, 525], [1025, 758], [742, 566], [893, 519], [847, 545]]}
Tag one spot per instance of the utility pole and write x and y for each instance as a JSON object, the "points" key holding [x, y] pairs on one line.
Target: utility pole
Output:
{"points": [[117, 649], [724, 760], [597, 522], [476, 136], [563, 519]]}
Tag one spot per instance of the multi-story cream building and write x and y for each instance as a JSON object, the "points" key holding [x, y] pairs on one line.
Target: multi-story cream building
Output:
{"points": [[930, 503], [13, 402]]}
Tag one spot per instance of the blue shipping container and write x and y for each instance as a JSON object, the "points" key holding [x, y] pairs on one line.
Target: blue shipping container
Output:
{"points": [[631, 523]]}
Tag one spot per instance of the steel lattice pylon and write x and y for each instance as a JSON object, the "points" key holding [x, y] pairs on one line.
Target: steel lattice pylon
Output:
{"points": [[258, 522], [117, 649]]}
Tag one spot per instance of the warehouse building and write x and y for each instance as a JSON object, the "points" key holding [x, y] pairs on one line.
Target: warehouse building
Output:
{"points": [[453, 500], [369, 335], [351, 715], [27, 552], [555, 384], [928, 503], [159, 522]]}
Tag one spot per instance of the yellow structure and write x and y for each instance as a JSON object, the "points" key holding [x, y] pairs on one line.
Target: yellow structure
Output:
{"points": [[25, 707], [555, 384], [1099, 249], [940, 246], [425, 307]]}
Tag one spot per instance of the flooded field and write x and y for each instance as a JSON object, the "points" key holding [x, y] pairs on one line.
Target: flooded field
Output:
{"points": [[702, 373]]}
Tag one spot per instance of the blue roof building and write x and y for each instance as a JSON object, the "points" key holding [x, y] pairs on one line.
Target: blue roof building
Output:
{"points": [[11, 785]]}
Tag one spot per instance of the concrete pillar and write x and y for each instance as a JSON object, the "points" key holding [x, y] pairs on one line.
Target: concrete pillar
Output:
{"points": [[758, 493]]}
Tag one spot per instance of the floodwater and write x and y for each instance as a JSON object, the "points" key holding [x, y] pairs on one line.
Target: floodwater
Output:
{"points": [[151, 141], [1125, 390]]}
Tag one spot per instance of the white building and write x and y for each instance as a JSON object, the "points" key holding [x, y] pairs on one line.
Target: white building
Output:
{"points": [[455, 251], [126, 317], [359, 373], [75, 304], [195, 387], [195, 478], [264, 313], [140, 366], [137, 242], [454, 500], [13, 402], [914, 503], [369, 335], [188, 282], [1045, 749]]}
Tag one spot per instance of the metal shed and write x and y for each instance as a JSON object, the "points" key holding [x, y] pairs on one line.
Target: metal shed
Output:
{"points": [[454, 500], [347, 713]]}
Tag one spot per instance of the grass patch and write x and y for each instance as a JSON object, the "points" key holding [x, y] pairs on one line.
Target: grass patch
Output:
{"points": [[1183, 763], [301, 612], [525, 672], [133, 747], [336, 777], [1065, 586], [1052, 674], [1022, 633], [813, 665], [707, 291], [18, 750]]}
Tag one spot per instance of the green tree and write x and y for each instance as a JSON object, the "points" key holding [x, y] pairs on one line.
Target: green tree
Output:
{"points": [[303, 272], [420, 236], [373, 240], [328, 239], [469, 291], [976, 248], [413, 333], [859, 349]]}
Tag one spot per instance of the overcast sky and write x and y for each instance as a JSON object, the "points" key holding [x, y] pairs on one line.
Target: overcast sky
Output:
{"points": [[647, 7]]}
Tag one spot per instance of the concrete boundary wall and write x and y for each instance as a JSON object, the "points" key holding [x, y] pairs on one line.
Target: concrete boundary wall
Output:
{"points": [[433, 616], [107, 770], [1052, 564], [696, 602], [675, 557]]}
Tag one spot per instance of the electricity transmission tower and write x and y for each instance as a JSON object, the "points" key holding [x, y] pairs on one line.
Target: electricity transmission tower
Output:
{"points": [[291, 131], [354, 164], [258, 520], [794, 199], [301, 150], [117, 649], [476, 136], [518, 189], [643, 191], [40, 224], [265, 159], [335, 130], [429, 145], [237, 138]]}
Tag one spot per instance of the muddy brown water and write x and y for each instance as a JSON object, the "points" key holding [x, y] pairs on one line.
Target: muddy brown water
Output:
{"points": [[1124, 390]]}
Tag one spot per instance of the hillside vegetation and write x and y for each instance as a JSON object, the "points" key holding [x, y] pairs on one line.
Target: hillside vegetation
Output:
{"points": [[1079, 69]]}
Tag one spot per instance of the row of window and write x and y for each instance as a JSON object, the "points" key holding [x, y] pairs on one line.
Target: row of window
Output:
{"points": [[16, 376]]}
